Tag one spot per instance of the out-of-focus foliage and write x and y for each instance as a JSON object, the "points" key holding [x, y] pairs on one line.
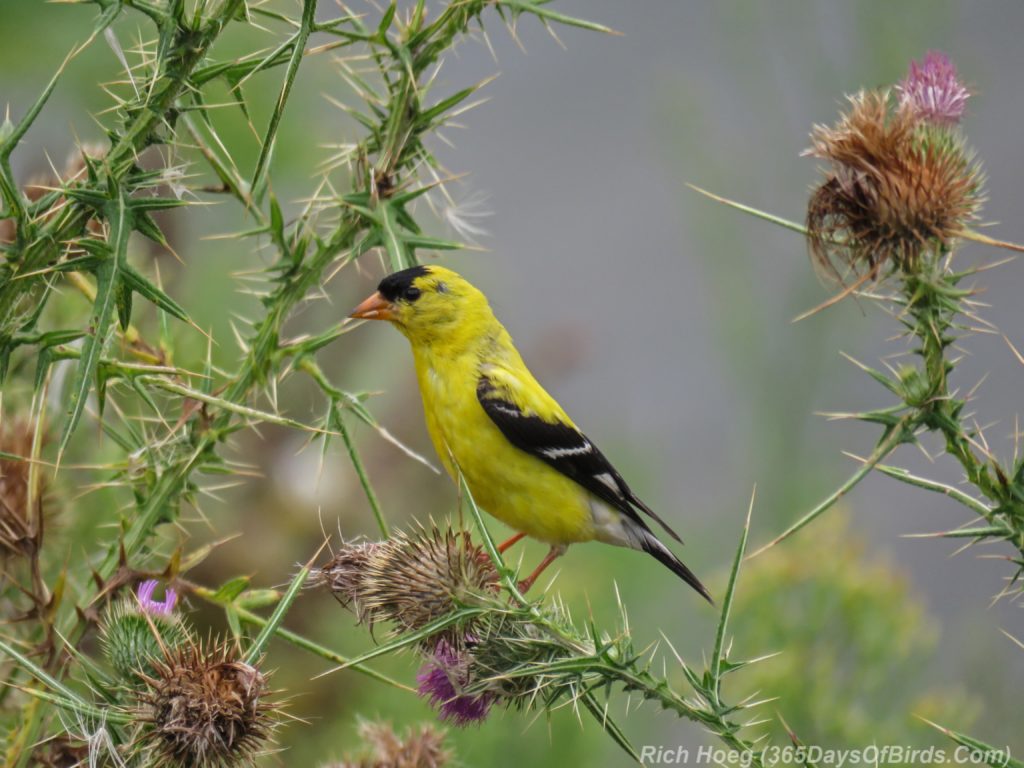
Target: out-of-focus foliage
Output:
{"points": [[852, 638]]}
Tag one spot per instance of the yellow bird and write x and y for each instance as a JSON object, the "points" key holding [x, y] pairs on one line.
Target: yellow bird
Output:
{"points": [[524, 460]]}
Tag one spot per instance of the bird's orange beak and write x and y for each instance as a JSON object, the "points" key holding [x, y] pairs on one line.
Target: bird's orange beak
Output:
{"points": [[374, 308]]}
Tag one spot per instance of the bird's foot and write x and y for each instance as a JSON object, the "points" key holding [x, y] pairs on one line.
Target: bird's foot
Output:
{"points": [[509, 542], [555, 552]]}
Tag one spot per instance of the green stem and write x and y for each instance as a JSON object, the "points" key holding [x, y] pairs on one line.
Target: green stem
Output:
{"points": [[318, 650], [298, 50], [933, 303], [296, 639], [357, 464]]}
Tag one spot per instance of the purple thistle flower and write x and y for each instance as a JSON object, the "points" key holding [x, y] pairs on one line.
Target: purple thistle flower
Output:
{"points": [[933, 90], [442, 680], [149, 605]]}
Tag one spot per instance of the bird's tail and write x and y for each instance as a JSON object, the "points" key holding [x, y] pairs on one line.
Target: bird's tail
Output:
{"points": [[650, 544]]}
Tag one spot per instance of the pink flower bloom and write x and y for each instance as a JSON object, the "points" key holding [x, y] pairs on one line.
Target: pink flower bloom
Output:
{"points": [[442, 680], [145, 595], [933, 90]]}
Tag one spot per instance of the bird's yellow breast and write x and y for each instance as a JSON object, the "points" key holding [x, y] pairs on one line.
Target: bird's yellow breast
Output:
{"points": [[513, 486]]}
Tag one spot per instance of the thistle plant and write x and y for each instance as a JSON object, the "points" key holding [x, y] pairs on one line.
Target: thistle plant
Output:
{"points": [[901, 190], [96, 340], [119, 402], [481, 649]]}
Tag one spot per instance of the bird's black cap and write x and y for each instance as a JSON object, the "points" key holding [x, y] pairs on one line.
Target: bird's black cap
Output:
{"points": [[394, 285]]}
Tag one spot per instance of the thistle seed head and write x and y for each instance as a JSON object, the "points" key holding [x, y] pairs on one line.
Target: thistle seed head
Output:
{"points": [[204, 707], [416, 748], [413, 579], [895, 189]]}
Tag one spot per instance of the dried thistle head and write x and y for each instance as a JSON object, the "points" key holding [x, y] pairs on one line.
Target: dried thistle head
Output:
{"points": [[895, 189], [204, 707], [345, 572], [413, 579], [21, 528], [422, 747]]}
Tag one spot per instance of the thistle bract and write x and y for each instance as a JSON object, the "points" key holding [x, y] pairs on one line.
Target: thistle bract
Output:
{"points": [[136, 630], [422, 747]]}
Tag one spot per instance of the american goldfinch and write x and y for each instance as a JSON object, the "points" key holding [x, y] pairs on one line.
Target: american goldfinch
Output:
{"points": [[522, 457]]}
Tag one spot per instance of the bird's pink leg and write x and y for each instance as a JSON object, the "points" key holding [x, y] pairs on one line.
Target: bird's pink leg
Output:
{"points": [[506, 544], [554, 553]]}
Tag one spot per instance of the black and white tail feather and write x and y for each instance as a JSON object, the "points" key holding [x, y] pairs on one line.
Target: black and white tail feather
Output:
{"points": [[569, 451]]}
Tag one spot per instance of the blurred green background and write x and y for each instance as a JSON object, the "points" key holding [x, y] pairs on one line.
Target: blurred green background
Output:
{"points": [[660, 321]]}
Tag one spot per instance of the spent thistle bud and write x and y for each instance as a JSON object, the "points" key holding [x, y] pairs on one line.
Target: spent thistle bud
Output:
{"points": [[135, 630], [933, 91], [204, 707], [423, 747], [413, 579], [894, 190], [346, 571]]}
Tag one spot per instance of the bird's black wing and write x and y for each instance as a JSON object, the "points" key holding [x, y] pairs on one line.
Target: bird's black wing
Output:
{"points": [[567, 450]]}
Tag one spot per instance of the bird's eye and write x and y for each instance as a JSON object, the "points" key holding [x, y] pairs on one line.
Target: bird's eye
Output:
{"points": [[411, 293]]}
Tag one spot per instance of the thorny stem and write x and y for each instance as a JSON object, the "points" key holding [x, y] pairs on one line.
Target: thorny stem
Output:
{"points": [[337, 421], [715, 717], [372, 217], [933, 302], [400, 148], [182, 49]]}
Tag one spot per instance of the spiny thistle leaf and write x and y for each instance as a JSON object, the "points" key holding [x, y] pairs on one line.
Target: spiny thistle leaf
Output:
{"points": [[108, 277]]}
